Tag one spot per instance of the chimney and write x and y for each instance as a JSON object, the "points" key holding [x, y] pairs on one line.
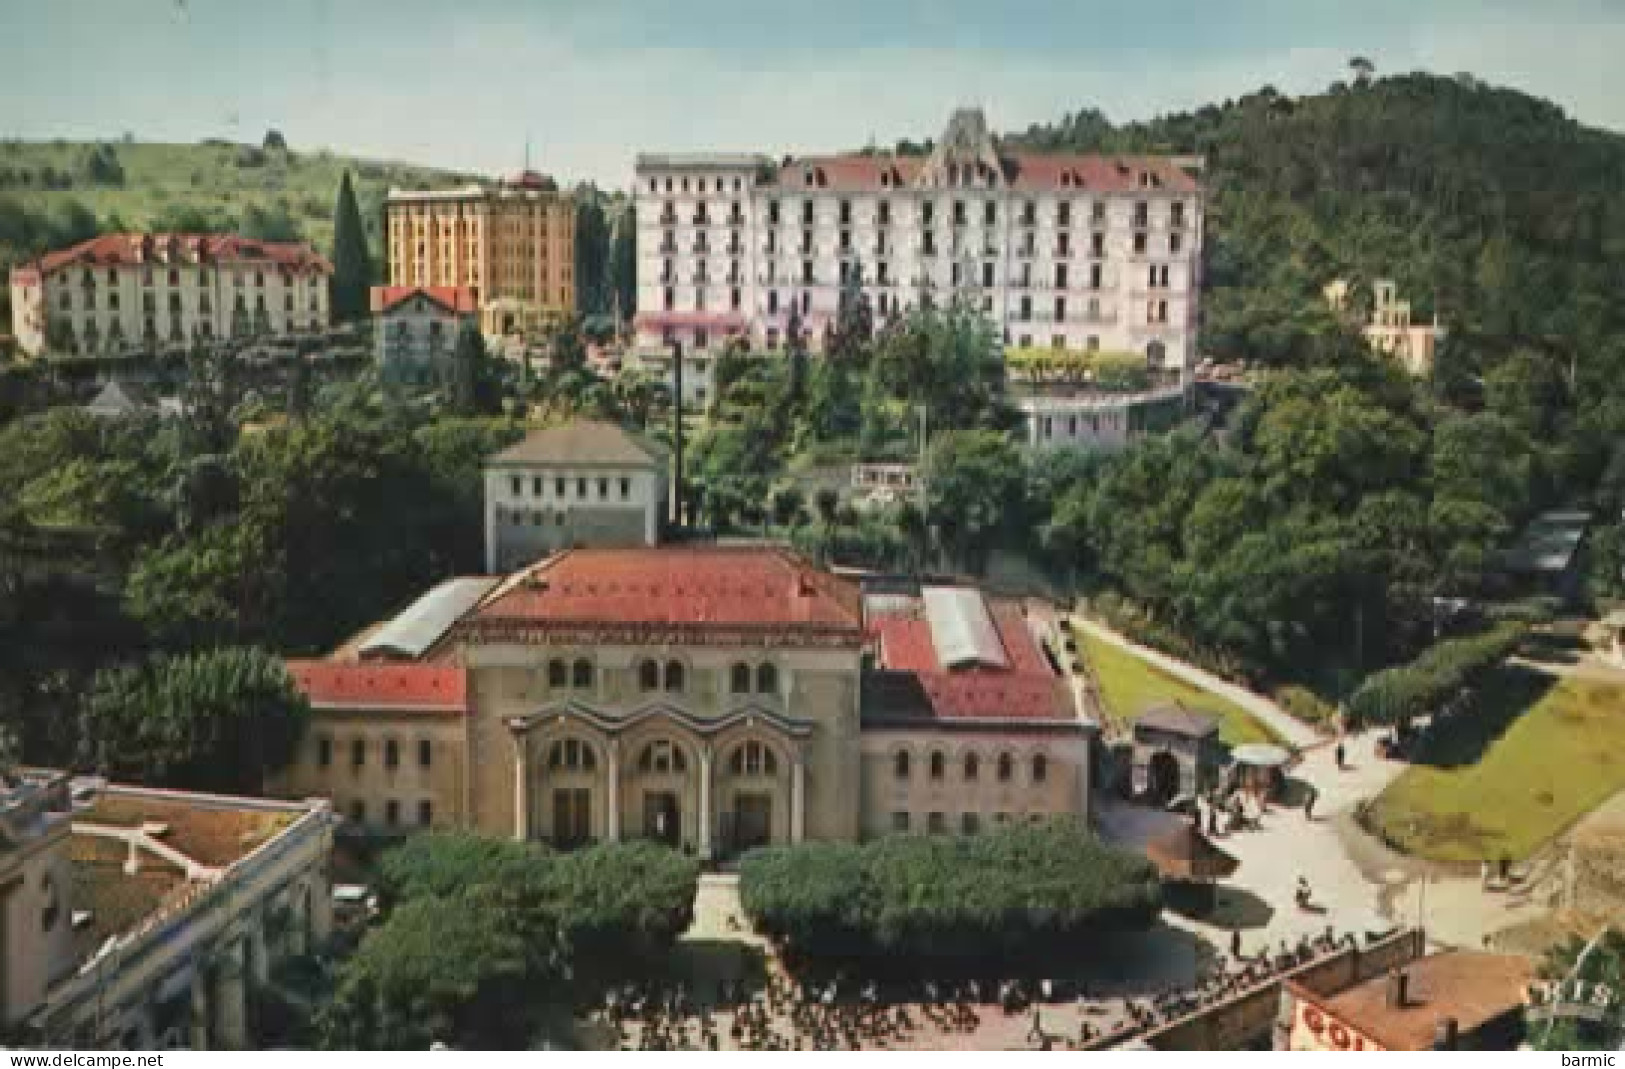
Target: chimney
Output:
{"points": [[1399, 989], [1446, 1034]]}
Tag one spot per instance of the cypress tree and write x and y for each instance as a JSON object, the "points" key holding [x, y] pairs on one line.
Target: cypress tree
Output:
{"points": [[352, 269]]}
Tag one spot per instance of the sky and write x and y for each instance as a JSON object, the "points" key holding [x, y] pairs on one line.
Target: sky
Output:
{"points": [[465, 84]]}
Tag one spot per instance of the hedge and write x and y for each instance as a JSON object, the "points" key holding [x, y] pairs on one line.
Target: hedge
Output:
{"points": [[1009, 900], [1442, 672]]}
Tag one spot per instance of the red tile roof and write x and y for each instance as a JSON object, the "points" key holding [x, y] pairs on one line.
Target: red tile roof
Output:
{"points": [[1022, 171], [457, 299], [114, 250], [1028, 689], [724, 588], [400, 687]]}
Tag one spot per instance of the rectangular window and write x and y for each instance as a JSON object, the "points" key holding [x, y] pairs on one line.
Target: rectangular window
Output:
{"points": [[358, 753], [936, 823], [518, 485], [425, 813], [626, 489], [425, 753], [1175, 243], [358, 811], [970, 823], [392, 812], [1139, 243], [324, 751], [1097, 246], [899, 822], [536, 485], [558, 486], [603, 489], [581, 487]]}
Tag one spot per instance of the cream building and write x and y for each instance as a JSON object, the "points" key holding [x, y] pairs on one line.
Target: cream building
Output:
{"points": [[123, 294], [1390, 330], [711, 698], [584, 483], [141, 919], [512, 246], [1074, 251]]}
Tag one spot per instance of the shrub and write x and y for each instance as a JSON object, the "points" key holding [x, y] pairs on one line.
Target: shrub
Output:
{"points": [[1010, 900], [1306, 705], [1439, 675]]}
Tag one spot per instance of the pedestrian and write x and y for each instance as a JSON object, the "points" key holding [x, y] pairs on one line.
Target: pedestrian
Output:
{"points": [[1235, 943], [1309, 804], [1484, 874], [1340, 755]]}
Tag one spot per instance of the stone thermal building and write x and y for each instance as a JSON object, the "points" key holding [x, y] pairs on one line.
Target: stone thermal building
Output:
{"points": [[512, 246], [713, 698], [584, 483], [1075, 251], [123, 294], [144, 919]]}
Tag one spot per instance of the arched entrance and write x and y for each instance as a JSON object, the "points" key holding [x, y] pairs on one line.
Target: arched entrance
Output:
{"points": [[753, 795], [662, 770], [1162, 778]]}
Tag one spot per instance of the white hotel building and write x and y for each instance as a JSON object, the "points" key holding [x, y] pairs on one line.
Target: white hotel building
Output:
{"points": [[1076, 251]]}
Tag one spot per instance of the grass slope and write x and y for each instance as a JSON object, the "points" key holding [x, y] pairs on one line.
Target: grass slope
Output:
{"points": [[1129, 686], [1536, 758], [214, 178]]}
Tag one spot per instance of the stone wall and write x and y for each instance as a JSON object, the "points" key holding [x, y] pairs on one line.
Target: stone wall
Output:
{"points": [[1248, 1020]]}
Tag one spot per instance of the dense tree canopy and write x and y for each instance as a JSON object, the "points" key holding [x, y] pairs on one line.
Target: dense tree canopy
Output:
{"points": [[1011, 899]]}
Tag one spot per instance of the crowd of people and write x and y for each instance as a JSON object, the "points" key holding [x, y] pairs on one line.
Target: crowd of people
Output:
{"points": [[785, 1014]]}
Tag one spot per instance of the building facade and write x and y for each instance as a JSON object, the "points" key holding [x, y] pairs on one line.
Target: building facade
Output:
{"points": [[584, 483], [1080, 252], [415, 328], [142, 919], [511, 246], [712, 698], [124, 294], [1390, 329], [1084, 419]]}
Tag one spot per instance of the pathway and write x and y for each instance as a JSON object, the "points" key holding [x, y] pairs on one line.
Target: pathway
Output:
{"points": [[1289, 727]]}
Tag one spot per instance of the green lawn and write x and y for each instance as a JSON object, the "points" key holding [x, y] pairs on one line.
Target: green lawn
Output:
{"points": [[1129, 686], [1535, 759]]}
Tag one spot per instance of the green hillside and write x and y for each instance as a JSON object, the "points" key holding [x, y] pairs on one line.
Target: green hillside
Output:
{"points": [[54, 193]]}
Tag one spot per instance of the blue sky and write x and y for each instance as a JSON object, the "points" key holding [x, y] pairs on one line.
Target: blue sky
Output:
{"points": [[462, 83]]}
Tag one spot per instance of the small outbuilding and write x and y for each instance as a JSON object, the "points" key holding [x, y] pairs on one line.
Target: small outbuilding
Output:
{"points": [[1176, 751]]}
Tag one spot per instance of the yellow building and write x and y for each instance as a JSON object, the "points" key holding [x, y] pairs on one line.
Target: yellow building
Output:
{"points": [[711, 698], [512, 245]]}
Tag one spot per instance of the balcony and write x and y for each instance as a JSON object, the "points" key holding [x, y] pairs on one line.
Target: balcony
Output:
{"points": [[668, 247], [736, 219], [668, 218], [701, 219]]}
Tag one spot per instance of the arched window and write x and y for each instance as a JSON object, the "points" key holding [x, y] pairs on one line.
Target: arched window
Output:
{"points": [[739, 679], [1006, 768], [661, 757], [571, 755], [767, 679], [753, 759], [648, 676], [1040, 768], [939, 764], [900, 764], [674, 675], [973, 767], [557, 674], [581, 674]]}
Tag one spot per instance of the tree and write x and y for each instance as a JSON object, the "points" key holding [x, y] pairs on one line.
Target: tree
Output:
{"points": [[975, 493], [274, 141], [592, 249], [473, 385], [623, 265], [216, 720], [475, 970], [352, 267], [785, 505], [1363, 69]]}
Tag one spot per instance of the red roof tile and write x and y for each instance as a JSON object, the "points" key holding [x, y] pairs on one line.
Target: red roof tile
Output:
{"points": [[1028, 689], [459, 299], [114, 250], [1022, 171], [405, 687], [723, 587]]}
